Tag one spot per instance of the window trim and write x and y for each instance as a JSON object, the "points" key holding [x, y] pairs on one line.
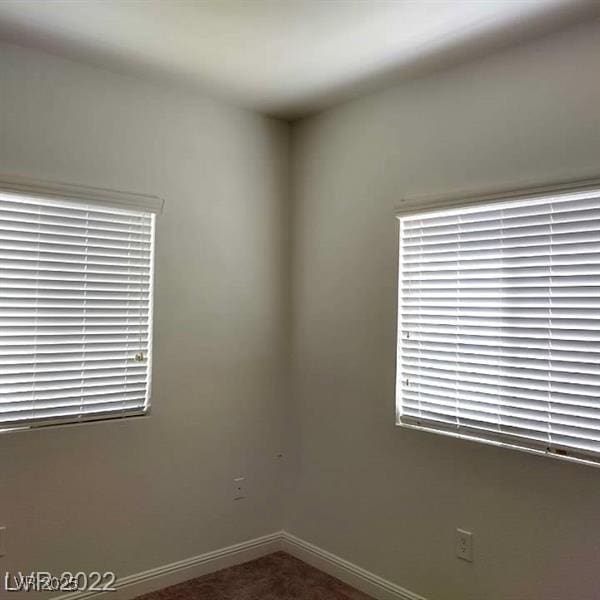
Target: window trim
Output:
{"points": [[423, 204], [46, 189], [74, 194]]}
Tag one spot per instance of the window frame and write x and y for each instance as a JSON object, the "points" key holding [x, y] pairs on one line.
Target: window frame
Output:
{"points": [[425, 204], [102, 197]]}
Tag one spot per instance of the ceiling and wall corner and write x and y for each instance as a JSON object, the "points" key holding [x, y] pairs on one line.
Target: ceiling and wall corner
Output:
{"points": [[278, 246], [284, 58]]}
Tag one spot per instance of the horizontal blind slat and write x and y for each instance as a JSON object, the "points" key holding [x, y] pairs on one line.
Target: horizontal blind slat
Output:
{"points": [[80, 373], [565, 203]]}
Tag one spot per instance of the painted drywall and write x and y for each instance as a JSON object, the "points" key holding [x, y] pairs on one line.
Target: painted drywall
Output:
{"points": [[387, 498], [139, 493]]}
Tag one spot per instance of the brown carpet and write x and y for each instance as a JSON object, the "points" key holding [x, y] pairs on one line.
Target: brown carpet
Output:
{"points": [[277, 576]]}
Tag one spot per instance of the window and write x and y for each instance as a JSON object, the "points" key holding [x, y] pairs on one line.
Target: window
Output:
{"points": [[75, 309], [499, 322]]}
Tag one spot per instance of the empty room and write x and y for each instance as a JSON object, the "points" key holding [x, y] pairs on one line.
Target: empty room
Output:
{"points": [[300, 299]]}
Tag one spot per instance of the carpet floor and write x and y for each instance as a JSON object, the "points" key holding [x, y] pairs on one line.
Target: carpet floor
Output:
{"points": [[277, 576]]}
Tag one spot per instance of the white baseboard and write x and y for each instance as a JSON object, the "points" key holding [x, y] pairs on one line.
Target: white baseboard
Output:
{"points": [[132, 586], [353, 575], [135, 585]]}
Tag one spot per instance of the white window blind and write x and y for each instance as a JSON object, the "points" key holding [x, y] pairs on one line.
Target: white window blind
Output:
{"points": [[75, 310], [499, 322]]}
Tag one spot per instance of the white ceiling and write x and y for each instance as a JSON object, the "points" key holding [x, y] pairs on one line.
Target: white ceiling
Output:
{"points": [[283, 57]]}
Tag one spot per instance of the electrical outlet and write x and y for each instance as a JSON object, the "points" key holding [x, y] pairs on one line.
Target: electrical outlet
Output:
{"points": [[464, 545], [239, 488], [2, 540]]}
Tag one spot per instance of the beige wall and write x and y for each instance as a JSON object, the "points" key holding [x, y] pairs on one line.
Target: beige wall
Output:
{"points": [[386, 498], [136, 494]]}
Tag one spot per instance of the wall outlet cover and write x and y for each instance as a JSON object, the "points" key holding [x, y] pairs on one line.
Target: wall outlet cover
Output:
{"points": [[239, 488], [464, 545]]}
